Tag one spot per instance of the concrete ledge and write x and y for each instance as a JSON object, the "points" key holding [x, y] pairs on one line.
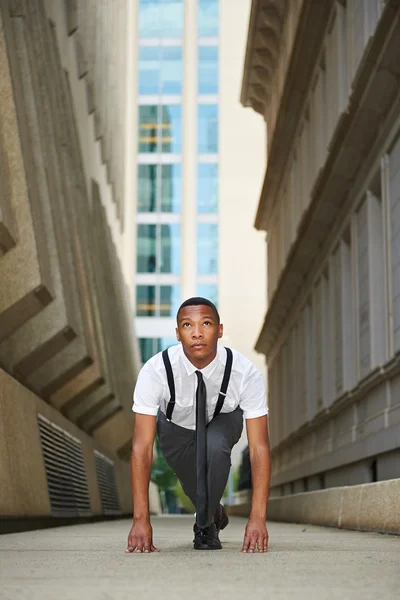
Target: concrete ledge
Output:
{"points": [[367, 507]]}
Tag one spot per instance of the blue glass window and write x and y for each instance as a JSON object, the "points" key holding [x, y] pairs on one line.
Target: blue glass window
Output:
{"points": [[208, 70], [208, 129], [148, 129], [171, 188], [160, 128], [170, 259], [147, 188], [171, 127], [208, 291], [151, 346], [207, 188], [207, 18], [146, 249], [160, 18], [145, 300], [170, 300], [160, 70], [207, 249]]}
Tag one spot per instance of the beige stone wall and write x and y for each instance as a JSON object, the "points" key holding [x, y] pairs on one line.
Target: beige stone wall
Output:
{"points": [[66, 330]]}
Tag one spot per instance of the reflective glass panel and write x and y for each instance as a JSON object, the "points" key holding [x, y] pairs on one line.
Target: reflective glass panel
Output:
{"points": [[148, 348], [207, 249], [160, 18], [207, 188], [208, 291], [170, 300], [145, 300], [171, 128], [171, 188], [171, 71], [148, 128], [149, 70], [208, 70], [147, 188], [146, 248], [207, 18], [170, 260], [208, 129]]}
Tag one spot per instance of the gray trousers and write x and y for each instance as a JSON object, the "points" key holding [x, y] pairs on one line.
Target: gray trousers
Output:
{"points": [[178, 446]]}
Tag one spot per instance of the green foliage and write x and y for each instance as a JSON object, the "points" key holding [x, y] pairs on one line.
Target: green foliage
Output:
{"points": [[182, 499], [161, 474]]}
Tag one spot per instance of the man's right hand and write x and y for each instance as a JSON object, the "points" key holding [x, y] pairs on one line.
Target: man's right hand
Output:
{"points": [[140, 538]]}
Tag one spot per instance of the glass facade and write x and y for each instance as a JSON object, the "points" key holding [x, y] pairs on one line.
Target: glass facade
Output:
{"points": [[160, 188], [159, 248], [160, 128], [160, 70], [157, 300], [207, 129], [161, 18], [207, 18], [207, 248], [208, 70], [151, 346], [208, 291], [207, 188]]}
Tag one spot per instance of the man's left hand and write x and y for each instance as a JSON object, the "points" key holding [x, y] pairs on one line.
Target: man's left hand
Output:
{"points": [[255, 536]]}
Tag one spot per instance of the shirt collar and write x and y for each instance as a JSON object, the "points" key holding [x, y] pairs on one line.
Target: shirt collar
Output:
{"points": [[207, 371]]}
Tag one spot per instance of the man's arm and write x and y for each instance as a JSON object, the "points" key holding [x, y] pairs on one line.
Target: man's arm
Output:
{"points": [[141, 535], [256, 534]]}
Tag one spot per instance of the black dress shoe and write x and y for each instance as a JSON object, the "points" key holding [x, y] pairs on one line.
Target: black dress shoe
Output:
{"points": [[220, 518], [206, 538]]}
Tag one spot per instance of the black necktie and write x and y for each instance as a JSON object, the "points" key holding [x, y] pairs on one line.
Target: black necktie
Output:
{"points": [[201, 452]]}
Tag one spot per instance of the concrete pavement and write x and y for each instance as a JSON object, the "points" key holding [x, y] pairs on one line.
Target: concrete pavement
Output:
{"points": [[89, 561]]}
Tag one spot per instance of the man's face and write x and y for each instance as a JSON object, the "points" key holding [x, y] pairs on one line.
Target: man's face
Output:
{"points": [[198, 331]]}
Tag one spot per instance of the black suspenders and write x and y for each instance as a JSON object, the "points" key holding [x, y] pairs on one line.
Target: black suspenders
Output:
{"points": [[171, 383]]}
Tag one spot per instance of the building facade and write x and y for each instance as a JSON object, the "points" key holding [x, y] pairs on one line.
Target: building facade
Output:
{"points": [[325, 77], [194, 178], [68, 353]]}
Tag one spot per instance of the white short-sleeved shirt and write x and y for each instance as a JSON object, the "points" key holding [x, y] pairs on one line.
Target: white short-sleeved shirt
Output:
{"points": [[246, 387]]}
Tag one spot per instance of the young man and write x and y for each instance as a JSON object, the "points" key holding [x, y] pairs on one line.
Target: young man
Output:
{"points": [[195, 395]]}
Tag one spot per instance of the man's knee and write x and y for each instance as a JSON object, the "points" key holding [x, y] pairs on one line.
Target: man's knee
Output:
{"points": [[217, 444]]}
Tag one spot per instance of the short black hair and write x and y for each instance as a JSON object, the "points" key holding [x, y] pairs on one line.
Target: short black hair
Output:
{"points": [[198, 301]]}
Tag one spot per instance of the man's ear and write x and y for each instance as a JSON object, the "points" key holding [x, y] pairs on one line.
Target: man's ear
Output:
{"points": [[220, 331], [178, 337]]}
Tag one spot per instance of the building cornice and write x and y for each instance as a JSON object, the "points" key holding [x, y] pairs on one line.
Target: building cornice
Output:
{"points": [[262, 52], [356, 130]]}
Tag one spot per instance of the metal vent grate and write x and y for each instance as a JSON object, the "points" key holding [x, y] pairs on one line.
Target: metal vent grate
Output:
{"points": [[65, 471], [107, 484]]}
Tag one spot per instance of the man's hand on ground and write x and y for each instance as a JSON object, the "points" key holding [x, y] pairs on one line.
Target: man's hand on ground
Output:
{"points": [[255, 536], [140, 538]]}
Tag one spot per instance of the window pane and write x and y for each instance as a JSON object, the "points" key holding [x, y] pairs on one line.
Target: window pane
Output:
{"points": [[207, 249], [170, 299], [145, 300], [171, 129], [207, 188], [208, 291], [171, 71], [149, 70], [148, 348], [171, 188], [207, 18], [160, 18], [146, 249], [147, 188], [208, 70], [170, 249], [149, 18], [208, 128], [164, 343], [148, 129]]}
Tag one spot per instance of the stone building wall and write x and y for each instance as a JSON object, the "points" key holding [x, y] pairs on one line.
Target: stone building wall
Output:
{"points": [[67, 342], [325, 76]]}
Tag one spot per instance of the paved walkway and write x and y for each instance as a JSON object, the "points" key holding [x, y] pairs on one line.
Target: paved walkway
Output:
{"points": [[89, 562]]}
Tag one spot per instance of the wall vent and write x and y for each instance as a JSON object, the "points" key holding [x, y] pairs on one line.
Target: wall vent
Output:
{"points": [[65, 471], [107, 484]]}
